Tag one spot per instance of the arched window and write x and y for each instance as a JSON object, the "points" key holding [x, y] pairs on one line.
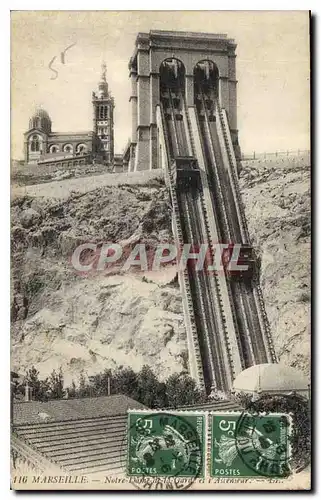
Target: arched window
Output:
{"points": [[68, 148], [81, 148], [172, 75], [54, 148], [103, 112], [206, 79], [35, 143]]}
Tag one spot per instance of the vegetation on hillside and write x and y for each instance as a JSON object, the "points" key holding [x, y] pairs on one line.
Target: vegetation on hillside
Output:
{"points": [[179, 389]]}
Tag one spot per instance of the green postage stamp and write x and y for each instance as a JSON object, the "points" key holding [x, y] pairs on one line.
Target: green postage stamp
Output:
{"points": [[250, 445], [166, 444], [240, 445]]}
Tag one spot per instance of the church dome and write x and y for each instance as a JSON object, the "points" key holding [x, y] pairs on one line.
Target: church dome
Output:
{"points": [[40, 120], [271, 378], [42, 113]]}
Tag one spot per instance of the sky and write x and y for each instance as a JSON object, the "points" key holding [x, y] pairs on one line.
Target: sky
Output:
{"points": [[272, 66]]}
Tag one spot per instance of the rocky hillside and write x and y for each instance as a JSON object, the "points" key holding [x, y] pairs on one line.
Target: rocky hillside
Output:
{"points": [[93, 322], [276, 196]]}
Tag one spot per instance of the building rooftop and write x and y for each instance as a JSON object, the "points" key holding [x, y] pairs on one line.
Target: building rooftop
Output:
{"points": [[181, 40], [81, 132], [186, 34], [81, 436], [171, 34], [41, 113], [33, 412]]}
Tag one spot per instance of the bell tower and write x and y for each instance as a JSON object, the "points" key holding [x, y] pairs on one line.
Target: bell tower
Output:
{"points": [[103, 119]]}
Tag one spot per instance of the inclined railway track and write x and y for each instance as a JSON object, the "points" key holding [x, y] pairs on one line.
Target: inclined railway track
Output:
{"points": [[210, 336], [200, 367], [226, 232], [195, 327], [208, 305], [264, 348], [252, 321], [213, 375], [213, 299]]}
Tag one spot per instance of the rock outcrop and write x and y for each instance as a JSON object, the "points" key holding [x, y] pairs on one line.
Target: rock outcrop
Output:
{"points": [[98, 321], [276, 196]]}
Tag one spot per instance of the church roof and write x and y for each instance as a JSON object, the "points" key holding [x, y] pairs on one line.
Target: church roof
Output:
{"points": [[81, 132], [41, 113], [271, 377], [35, 129]]}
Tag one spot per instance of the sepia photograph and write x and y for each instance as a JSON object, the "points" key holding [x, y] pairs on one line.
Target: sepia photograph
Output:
{"points": [[160, 219]]}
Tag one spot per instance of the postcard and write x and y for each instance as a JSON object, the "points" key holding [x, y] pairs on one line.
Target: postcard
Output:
{"points": [[160, 254]]}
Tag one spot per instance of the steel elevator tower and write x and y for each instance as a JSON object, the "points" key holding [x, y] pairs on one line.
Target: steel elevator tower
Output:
{"points": [[184, 121]]}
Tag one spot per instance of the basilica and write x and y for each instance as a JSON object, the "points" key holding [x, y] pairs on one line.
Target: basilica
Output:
{"points": [[42, 146]]}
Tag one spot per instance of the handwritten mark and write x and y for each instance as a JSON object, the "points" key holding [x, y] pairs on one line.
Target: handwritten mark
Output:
{"points": [[52, 69], [62, 55], [62, 58]]}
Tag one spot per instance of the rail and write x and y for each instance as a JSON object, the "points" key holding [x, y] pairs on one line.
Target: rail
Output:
{"points": [[187, 124], [209, 286], [253, 325], [259, 155], [256, 296], [204, 309], [219, 203], [195, 359], [197, 365], [218, 302], [201, 295], [212, 170], [231, 168], [219, 310], [224, 310]]}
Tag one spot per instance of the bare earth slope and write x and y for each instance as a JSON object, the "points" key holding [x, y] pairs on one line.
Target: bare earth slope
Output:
{"points": [[276, 196], [96, 322]]}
